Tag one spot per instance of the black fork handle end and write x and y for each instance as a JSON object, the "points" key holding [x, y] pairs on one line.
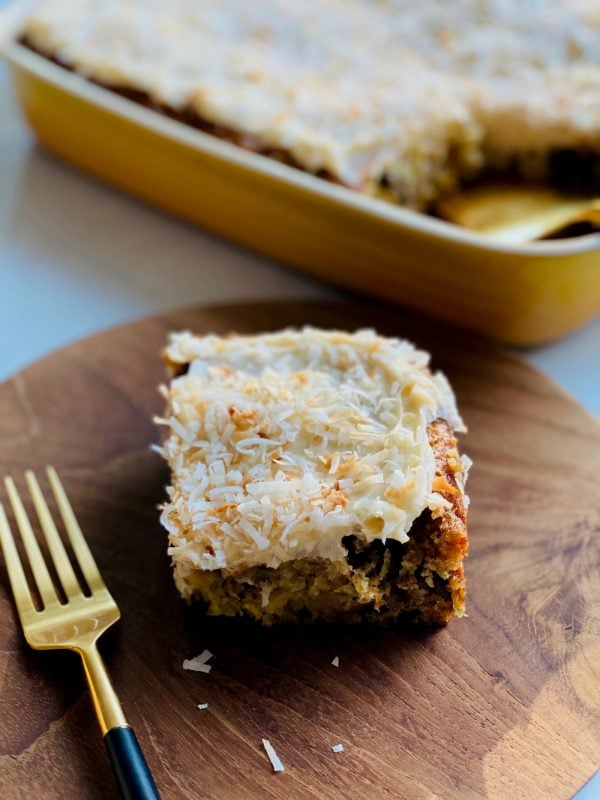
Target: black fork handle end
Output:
{"points": [[131, 770]]}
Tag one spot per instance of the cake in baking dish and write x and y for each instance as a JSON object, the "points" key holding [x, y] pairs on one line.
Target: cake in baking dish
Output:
{"points": [[392, 98], [314, 475]]}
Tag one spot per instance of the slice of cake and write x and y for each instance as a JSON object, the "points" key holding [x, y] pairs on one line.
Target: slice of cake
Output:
{"points": [[314, 475]]}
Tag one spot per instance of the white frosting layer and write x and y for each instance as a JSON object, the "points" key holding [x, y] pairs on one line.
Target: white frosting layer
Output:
{"points": [[359, 88], [282, 444]]}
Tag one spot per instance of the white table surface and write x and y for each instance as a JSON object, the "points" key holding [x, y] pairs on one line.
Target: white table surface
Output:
{"points": [[77, 257]]}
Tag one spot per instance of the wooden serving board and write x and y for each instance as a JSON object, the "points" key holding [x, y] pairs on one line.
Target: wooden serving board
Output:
{"points": [[502, 704]]}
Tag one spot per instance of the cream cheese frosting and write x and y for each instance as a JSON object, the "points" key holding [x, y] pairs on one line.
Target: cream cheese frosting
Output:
{"points": [[282, 444], [359, 88]]}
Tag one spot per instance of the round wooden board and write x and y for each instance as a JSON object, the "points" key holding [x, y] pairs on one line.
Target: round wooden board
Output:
{"points": [[502, 704]]}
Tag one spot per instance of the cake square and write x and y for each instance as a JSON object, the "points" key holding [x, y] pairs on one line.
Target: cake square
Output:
{"points": [[315, 475]]}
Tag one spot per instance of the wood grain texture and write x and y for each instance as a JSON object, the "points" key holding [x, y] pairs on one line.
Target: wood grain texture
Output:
{"points": [[502, 704]]}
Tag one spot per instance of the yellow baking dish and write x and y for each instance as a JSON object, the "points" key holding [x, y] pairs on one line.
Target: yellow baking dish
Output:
{"points": [[521, 294]]}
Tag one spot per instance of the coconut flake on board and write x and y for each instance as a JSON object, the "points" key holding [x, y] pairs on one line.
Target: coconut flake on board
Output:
{"points": [[199, 663], [273, 757]]}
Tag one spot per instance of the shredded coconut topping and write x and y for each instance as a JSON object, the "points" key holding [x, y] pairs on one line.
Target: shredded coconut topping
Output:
{"points": [[282, 444], [336, 661], [338, 748]]}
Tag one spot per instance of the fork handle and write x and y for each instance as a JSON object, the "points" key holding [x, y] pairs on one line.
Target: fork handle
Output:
{"points": [[129, 765], [131, 770]]}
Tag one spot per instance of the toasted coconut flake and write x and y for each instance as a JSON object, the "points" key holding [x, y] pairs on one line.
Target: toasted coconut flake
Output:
{"points": [[273, 757]]}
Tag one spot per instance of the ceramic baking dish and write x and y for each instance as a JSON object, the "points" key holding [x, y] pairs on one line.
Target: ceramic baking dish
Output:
{"points": [[520, 294]]}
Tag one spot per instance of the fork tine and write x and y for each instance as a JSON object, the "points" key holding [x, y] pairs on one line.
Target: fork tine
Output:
{"points": [[58, 553], [32, 548], [16, 575], [82, 552]]}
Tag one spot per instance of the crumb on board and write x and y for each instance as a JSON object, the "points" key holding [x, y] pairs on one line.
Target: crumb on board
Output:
{"points": [[199, 663], [273, 757]]}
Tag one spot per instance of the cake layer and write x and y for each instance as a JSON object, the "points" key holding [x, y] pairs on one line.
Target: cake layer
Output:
{"points": [[316, 459]]}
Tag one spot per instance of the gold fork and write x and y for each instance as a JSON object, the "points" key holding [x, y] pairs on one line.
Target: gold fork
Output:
{"points": [[75, 625]]}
